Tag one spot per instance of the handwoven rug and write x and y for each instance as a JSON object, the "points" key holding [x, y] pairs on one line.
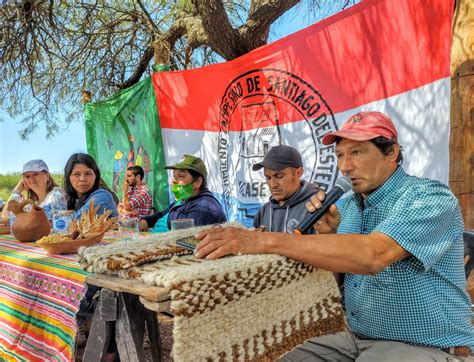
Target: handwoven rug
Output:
{"points": [[250, 307], [39, 298]]}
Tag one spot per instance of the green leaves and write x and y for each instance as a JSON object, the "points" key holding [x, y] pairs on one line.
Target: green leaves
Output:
{"points": [[52, 50]]}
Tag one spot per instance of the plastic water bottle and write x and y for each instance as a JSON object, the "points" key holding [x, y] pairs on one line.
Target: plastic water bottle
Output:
{"points": [[59, 211], [16, 197]]}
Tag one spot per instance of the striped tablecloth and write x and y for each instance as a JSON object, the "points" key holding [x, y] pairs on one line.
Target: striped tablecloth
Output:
{"points": [[39, 297]]}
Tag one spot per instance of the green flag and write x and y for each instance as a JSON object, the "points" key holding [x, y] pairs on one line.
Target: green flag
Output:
{"points": [[123, 131]]}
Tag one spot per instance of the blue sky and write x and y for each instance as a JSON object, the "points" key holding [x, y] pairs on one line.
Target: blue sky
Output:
{"points": [[14, 151]]}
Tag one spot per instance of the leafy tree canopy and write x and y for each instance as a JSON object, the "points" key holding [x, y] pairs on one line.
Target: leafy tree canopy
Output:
{"points": [[53, 52]]}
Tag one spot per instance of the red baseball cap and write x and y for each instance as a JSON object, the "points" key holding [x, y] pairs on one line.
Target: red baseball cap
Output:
{"points": [[364, 126]]}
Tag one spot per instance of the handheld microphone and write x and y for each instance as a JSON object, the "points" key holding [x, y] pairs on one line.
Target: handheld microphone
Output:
{"points": [[343, 184]]}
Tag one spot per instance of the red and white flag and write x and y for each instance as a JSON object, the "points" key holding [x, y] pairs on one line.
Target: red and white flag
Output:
{"points": [[391, 56]]}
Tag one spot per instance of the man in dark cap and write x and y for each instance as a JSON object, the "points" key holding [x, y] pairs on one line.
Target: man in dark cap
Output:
{"points": [[283, 169], [398, 238], [193, 200]]}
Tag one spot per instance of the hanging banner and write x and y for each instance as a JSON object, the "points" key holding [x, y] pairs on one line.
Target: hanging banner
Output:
{"points": [[391, 56], [124, 131]]}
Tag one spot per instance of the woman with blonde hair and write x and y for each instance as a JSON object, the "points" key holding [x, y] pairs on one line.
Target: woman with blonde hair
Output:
{"points": [[36, 183]]}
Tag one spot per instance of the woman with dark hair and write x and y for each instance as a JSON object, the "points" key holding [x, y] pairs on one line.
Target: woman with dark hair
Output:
{"points": [[193, 200], [82, 184]]}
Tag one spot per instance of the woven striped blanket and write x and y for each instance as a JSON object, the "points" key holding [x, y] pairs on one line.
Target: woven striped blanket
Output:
{"points": [[249, 307], [39, 297]]}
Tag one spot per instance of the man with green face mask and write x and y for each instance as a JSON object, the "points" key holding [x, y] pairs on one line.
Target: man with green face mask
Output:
{"points": [[193, 198]]}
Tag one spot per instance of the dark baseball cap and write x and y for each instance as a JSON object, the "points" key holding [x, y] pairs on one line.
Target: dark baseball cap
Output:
{"points": [[280, 157], [364, 126], [190, 162]]}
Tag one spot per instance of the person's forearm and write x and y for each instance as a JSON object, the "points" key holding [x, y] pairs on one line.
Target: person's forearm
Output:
{"points": [[351, 253], [152, 219], [17, 190], [125, 201]]}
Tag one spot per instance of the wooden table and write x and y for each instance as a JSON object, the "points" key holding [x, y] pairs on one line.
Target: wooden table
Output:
{"points": [[243, 307], [123, 309]]}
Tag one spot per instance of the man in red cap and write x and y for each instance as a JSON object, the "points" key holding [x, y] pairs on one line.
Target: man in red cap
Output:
{"points": [[364, 126], [398, 238]]}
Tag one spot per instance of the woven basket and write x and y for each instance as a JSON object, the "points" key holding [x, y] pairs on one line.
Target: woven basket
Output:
{"points": [[71, 246]]}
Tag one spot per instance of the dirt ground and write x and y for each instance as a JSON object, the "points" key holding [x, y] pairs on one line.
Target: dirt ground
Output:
{"points": [[166, 335]]}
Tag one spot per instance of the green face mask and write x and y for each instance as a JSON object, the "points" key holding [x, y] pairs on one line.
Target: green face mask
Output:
{"points": [[182, 192]]}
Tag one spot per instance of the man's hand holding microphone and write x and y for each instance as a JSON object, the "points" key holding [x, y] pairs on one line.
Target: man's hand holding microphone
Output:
{"points": [[319, 206], [329, 222]]}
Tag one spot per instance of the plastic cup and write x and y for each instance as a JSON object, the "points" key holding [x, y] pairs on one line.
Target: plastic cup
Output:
{"points": [[179, 224], [128, 226]]}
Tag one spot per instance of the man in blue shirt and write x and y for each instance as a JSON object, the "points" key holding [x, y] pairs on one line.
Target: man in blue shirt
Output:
{"points": [[399, 240]]}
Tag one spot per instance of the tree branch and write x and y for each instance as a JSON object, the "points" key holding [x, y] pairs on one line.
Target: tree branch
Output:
{"points": [[148, 17], [262, 15], [231, 43], [223, 38], [139, 70]]}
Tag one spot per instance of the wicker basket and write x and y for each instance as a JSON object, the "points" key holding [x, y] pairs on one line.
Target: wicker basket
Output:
{"points": [[71, 246]]}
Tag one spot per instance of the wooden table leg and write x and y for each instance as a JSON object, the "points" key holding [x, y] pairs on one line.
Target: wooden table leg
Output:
{"points": [[102, 326], [153, 329], [127, 315], [130, 327]]}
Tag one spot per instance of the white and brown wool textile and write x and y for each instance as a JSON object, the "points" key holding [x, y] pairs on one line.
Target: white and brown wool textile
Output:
{"points": [[114, 257], [242, 308]]}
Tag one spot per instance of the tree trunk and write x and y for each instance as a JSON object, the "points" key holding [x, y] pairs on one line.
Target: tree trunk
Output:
{"points": [[231, 43], [461, 148]]}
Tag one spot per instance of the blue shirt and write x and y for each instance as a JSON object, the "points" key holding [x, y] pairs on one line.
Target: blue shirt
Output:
{"points": [[103, 199], [161, 225], [203, 208], [46, 205], [421, 299]]}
